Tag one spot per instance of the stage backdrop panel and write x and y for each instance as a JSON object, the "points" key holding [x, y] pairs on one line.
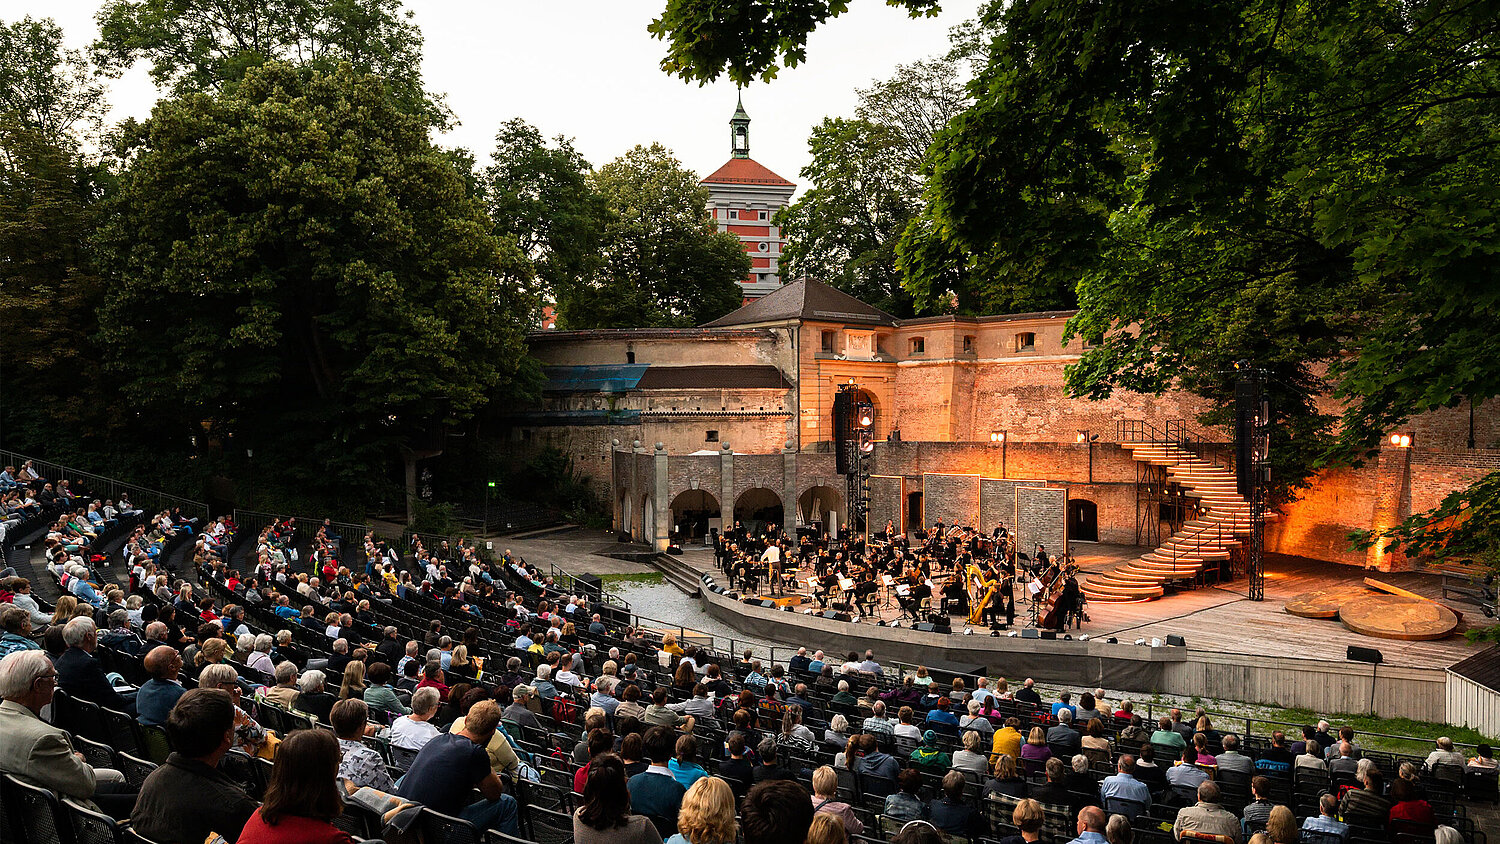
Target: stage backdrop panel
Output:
{"points": [[997, 503], [950, 499], [887, 502], [1042, 516]]}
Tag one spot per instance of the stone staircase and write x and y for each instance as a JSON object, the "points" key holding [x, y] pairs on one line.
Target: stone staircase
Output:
{"points": [[1204, 542]]}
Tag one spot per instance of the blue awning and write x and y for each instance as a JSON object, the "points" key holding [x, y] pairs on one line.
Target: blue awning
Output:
{"points": [[610, 378]]}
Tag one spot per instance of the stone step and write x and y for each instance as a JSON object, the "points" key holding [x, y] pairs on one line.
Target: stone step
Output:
{"points": [[1105, 593]]}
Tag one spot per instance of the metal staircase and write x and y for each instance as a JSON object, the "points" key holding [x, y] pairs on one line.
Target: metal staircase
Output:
{"points": [[1224, 516]]}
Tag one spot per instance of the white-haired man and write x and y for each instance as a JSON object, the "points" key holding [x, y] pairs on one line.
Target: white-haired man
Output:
{"points": [[413, 731], [39, 753], [80, 674]]}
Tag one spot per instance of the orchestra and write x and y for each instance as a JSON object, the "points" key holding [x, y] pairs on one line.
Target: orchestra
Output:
{"points": [[929, 575]]}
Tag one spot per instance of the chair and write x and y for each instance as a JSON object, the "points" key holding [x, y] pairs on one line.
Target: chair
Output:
{"points": [[122, 730], [155, 745], [135, 769], [89, 826], [241, 767], [402, 757], [1482, 785], [549, 827], [34, 812], [1124, 806], [97, 754], [1196, 835], [436, 826], [1313, 836]]}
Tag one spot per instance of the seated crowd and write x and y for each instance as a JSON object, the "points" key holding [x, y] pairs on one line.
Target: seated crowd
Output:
{"points": [[482, 692]]}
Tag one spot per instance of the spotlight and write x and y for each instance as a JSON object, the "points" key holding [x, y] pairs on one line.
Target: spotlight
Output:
{"points": [[1067, 637], [1012, 634], [1083, 638], [864, 414], [1155, 642], [994, 634], [896, 623], [1083, 436], [997, 436], [807, 611], [1140, 641], [1111, 641], [968, 632], [854, 619]]}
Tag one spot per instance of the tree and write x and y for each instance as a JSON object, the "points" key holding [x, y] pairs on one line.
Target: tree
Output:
{"points": [[46, 88], [201, 45], [866, 183], [299, 267], [541, 197], [748, 38], [663, 262]]}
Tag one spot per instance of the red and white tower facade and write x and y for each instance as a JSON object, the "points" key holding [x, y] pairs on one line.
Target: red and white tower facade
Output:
{"points": [[743, 198]]}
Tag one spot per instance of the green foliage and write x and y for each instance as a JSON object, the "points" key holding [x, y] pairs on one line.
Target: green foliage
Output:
{"points": [[201, 45], [866, 182], [662, 262], [298, 266], [541, 197], [747, 38], [434, 518], [45, 88], [549, 479]]}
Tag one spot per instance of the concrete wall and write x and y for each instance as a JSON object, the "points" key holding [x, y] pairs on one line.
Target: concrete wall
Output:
{"points": [[1473, 705]]}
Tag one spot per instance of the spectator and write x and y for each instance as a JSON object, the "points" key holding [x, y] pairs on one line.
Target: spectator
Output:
{"points": [[314, 698], [1201, 756], [250, 737], [1311, 756], [354, 681], [605, 815], [1028, 817], [1007, 779], [1207, 816], [972, 759], [1484, 757], [187, 798], [825, 783], [905, 805], [454, 763], [519, 711], [656, 793], [877, 723], [1327, 818], [380, 697], [17, 626], [260, 657], [1118, 830], [1230, 759], [1281, 826], [1064, 704], [1063, 736], [599, 742], [1087, 710], [1091, 824], [1408, 805], [1008, 739], [302, 796], [737, 769], [837, 734], [1445, 754], [80, 674], [707, 815], [38, 753], [283, 694], [770, 767], [1186, 774], [157, 696], [503, 758], [359, 765], [776, 812], [929, 756], [1123, 785], [1366, 806], [412, 732], [684, 766], [432, 677], [1258, 810], [1165, 736], [659, 714], [1342, 762], [1036, 750], [951, 813], [826, 829]]}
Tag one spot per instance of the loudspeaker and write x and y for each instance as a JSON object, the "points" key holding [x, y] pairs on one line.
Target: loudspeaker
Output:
{"points": [[1030, 633], [590, 585], [753, 600], [1370, 655], [925, 627], [843, 409], [1049, 634], [674, 549], [837, 616], [1176, 641], [768, 603]]}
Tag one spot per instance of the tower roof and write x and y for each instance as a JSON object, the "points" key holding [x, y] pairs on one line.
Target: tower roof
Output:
{"points": [[805, 300], [744, 171]]}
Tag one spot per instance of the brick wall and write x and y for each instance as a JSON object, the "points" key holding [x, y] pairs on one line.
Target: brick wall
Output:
{"points": [[1041, 516], [950, 499], [997, 503], [887, 502]]}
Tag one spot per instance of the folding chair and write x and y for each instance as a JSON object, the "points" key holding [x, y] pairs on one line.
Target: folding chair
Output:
{"points": [[89, 826], [436, 826], [34, 812], [548, 827], [135, 769]]}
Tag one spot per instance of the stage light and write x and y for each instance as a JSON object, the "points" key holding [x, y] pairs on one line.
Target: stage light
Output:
{"points": [[1083, 638], [997, 436], [854, 619], [1012, 634], [807, 611], [864, 414], [1155, 642], [1140, 641], [896, 624], [968, 632], [1083, 435], [1401, 439]]}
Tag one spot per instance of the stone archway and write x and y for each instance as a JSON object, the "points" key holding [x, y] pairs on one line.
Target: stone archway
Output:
{"points": [[627, 526], [648, 520], [821, 504], [691, 511], [758, 506], [1083, 520]]}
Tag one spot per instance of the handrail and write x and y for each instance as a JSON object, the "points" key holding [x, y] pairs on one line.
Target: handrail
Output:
{"points": [[1176, 432], [103, 487]]}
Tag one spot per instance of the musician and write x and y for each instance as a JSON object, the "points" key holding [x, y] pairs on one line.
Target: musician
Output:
{"points": [[1041, 556], [826, 584], [772, 558], [1070, 605], [1007, 595]]}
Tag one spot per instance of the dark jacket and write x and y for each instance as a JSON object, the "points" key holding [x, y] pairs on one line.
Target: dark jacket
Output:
{"points": [[184, 799], [81, 676]]}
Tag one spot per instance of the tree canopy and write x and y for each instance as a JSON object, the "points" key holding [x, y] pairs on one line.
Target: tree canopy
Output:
{"points": [[297, 265]]}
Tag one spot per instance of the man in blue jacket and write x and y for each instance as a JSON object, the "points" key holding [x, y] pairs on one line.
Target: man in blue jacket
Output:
{"points": [[655, 792]]}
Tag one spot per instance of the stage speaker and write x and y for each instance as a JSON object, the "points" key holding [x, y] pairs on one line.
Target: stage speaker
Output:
{"points": [[843, 438], [753, 600], [674, 549], [837, 616], [1049, 634], [1176, 641], [768, 603], [1370, 655], [1030, 633], [925, 627]]}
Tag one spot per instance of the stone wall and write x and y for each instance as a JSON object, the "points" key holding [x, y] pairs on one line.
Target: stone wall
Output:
{"points": [[1041, 516], [950, 499], [887, 502]]}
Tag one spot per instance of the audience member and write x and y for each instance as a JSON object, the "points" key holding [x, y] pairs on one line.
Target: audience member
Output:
{"points": [[655, 793], [1327, 820], [825, 783], [156, 697], [707, 815], [302, 796], [412, 732], [1208, 816], [951, 813], [452, 764], [1091, 824], [359, 764], [904, 804], [80, 674], [604, 816], [776, 812], [187, 798], [1028, 817]]}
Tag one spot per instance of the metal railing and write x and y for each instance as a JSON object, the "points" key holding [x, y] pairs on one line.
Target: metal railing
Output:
{"points": [[104, 488], [1199, 444]]}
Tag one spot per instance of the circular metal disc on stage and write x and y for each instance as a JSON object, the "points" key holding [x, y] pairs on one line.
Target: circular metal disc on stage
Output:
{"points": [[1398, 617], [1323, 603]]}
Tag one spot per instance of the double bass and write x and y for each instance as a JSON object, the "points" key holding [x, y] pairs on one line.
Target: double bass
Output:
{"points": [[1050, 616]]}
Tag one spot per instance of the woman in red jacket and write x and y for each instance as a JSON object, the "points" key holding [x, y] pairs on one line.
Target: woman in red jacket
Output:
{"points": [[302, 796]]}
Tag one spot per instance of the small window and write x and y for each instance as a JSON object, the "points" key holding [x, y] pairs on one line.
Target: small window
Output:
{"points": [[1025, 341], [918, 345], [630, 356], [764, 246], [765, 215], [828, 341], [711, 436], [733, 214], [968, 342]]}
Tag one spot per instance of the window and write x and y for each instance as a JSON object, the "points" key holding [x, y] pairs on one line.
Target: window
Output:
{"points": [[630, 356], [733, 214], [1025, 341], [968, 342], [764, 215], [918, 345], [828, 341], [711, 436], [763, 246]]}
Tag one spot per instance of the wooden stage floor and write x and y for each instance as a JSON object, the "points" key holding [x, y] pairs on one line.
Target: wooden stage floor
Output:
{"points": [[1223, 619]]}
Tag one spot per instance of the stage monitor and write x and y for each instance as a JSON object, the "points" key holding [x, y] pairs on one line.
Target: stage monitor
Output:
{"points": [[1176, 641], [589, 584], [1370, 655], [1049, 634], [1030, 633]]}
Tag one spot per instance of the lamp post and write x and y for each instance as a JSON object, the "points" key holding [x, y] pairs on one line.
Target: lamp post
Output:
{"points": [[1087, 439], [489, 487], [998, 438]]}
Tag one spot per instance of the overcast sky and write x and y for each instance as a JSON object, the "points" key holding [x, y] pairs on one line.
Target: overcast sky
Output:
{"points": [[588, 69]]}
